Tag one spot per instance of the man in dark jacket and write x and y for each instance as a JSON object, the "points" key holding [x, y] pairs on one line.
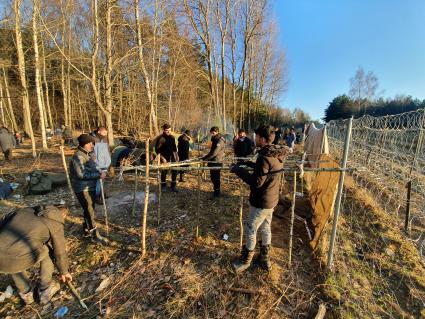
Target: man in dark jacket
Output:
{"points": [[215, 156], [84, 176], [166, 148], [242, 145], [183, 147], [7, 143], [264, 196], [30, 236]]}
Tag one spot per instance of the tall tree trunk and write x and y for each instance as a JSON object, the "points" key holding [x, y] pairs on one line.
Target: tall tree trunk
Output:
{"points": [[22, 76], [38, 88], [9, 102], [108, 73], [153, 127], [46, 86]]}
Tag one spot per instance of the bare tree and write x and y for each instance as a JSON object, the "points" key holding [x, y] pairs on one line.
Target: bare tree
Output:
{"points": [[38, 86], [22, 76]]}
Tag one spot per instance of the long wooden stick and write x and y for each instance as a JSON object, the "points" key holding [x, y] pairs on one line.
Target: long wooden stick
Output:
{"points": [[136, 177], [159, 189], [105, 210], [71, 191], [198, 204], [291, 229], [241, 217], [145, 208], [76, 295]]}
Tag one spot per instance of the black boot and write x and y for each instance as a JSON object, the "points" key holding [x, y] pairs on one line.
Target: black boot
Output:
{"points": [[181, 178], [173, 187], [244, 261], [163, 187], [217, 193], [98, 238], [264, 258]]}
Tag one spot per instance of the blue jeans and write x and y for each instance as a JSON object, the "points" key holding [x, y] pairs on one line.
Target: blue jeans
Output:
{"points": [[259, 220]]}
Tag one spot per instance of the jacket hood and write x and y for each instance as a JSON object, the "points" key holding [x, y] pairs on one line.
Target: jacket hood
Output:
{"points": [[277, 151]]}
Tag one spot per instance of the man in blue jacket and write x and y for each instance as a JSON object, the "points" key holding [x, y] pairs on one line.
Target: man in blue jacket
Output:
{"points": [[84, 176]]}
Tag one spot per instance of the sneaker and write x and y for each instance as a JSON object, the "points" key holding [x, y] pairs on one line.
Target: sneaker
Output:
{"points": [[28, 297], [47, 294]]}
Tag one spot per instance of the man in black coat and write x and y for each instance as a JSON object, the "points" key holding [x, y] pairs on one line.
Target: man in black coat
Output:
{"points": [[264, 196], [183, 147], [30, 236], [215, 156], [166, 148], [242, 145]]}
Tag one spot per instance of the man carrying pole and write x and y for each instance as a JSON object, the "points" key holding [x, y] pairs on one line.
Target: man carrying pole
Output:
{"points": [[84, 176], [264, 196], [215, 156]]}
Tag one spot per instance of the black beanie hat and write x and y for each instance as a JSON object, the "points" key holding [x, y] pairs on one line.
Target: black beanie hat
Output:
{"points": [[84, 139]]}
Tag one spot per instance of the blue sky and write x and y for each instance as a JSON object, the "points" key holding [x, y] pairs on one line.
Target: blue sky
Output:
{"points": [[327, 40]]}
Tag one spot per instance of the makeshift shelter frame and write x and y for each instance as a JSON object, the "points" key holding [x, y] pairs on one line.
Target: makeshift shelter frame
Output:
{"points": [[198, 167]]}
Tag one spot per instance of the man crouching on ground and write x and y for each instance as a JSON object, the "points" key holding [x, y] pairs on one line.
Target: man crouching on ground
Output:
{"points": [[264, 196], [29, 236]]}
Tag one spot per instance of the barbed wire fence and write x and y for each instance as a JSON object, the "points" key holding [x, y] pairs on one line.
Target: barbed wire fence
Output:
{"points": [[388, 154]]}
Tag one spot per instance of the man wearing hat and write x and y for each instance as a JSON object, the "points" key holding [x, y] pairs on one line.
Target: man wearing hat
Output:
{"points": [[30, 236], [84, 176], [264, 196]]}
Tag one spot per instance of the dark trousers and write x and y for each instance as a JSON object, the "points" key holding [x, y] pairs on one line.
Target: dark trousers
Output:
{"points": [[86, 199], [22, 281], [164, 178], [8, 155], [215, 175]]}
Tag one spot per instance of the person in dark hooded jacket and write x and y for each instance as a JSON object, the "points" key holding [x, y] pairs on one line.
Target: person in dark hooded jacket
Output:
{"points": [[215, 155], [29, 236], [7, 143], [183, 147], [264, 196]]}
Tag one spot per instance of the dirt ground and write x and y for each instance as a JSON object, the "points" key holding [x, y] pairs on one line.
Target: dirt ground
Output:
{"points": [[184, 277]]}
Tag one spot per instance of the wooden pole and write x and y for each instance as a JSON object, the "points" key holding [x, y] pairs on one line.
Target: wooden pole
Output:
{"points": [[198, 203], [241, 217], [291, 229], [407, 220], [145, 208], [158, 213], [105, 210], [71, 191], [136, 177]]}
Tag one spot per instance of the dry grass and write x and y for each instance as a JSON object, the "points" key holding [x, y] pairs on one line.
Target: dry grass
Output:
{"points": [[186, 278]]}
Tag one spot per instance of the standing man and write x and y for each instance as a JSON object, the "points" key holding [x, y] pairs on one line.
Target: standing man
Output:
{"points": [[84, 176], [183, 147], [264, 196], [7, 143], [102, 157], [216, 154], [242, 145], [29, 236], [290, 139], [165, 147]]}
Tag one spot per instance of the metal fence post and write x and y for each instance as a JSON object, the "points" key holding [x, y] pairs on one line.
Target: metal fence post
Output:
{"points": [[339, 194]]}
